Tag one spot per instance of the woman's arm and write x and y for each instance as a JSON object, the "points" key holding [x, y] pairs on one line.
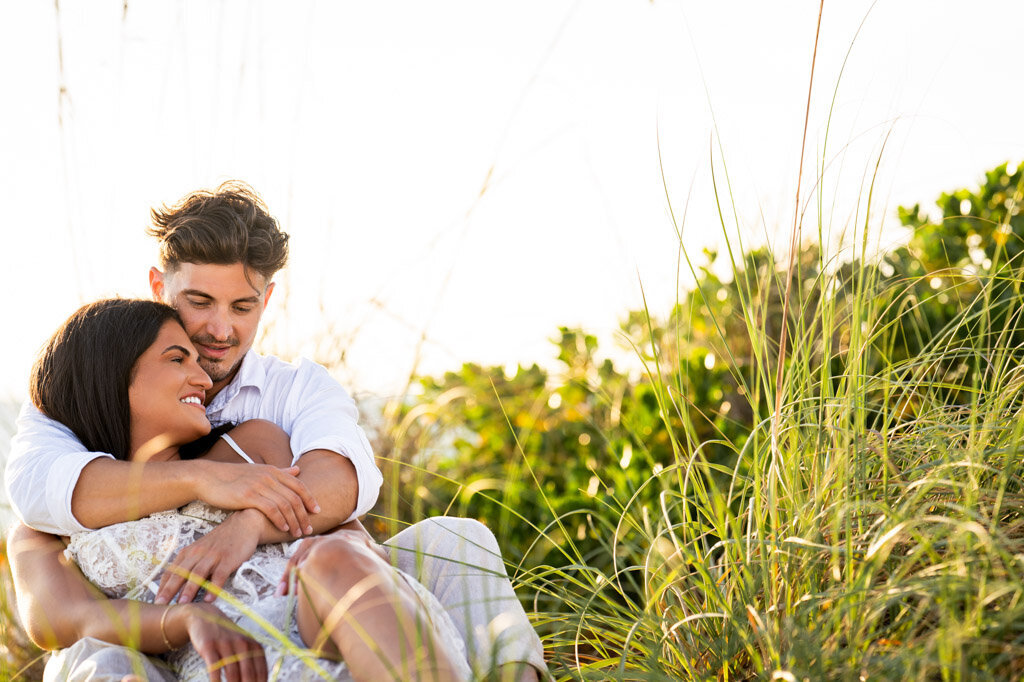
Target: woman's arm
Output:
{"points": [[216, 555], [58, 606]]}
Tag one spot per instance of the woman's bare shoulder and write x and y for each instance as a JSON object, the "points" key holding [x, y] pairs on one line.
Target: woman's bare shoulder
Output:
{"points": [[264, 441]]}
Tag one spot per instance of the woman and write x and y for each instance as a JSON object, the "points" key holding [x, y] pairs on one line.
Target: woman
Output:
{"points": [[123, 376]]}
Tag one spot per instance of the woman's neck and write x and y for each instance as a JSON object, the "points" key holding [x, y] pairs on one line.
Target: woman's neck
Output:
{"points": [[153, 448]]}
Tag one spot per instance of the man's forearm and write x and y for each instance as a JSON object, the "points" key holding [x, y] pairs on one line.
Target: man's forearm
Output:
{"points": [[112, 491], [331, 478]]}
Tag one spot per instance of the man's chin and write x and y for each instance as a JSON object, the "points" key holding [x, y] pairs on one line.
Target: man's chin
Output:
{"points": [[217, 370]]}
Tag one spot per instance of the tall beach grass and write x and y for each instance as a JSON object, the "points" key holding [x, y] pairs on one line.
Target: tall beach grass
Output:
{"points": [[867, 525]]}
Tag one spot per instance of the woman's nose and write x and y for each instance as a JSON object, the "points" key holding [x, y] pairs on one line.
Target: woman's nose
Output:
{"points": [[201, 378]]}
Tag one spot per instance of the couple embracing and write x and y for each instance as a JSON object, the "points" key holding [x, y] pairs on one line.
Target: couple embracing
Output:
{"points": [[213, 495]]}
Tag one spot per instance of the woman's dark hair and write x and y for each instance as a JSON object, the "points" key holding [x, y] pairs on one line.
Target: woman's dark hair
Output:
{"points": [[82, 375]]}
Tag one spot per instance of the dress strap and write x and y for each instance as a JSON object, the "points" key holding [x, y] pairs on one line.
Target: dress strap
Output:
{"points": [[234, 446]]}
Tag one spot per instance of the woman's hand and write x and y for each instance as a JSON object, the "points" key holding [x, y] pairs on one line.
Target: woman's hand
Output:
{"points": [[352, 532], [213, 557], [229, 653], [282, 497]]}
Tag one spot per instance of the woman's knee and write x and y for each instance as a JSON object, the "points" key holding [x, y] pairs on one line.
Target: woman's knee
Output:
{"points": [[339, 555]]}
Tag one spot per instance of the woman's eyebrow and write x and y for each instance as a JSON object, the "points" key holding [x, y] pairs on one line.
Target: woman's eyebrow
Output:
{"points": [[180, 349]]}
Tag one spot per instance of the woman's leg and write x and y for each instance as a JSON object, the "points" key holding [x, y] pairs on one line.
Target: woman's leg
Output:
{"points": [[352, 603]]}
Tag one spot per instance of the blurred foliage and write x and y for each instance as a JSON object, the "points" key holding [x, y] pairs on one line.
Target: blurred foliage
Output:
{"points": [[562, 452]]}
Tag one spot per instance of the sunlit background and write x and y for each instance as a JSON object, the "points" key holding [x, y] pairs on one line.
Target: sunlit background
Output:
{"points": [[460, 178]]}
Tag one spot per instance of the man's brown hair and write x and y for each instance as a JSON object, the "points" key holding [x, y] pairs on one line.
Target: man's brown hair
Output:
{"points": [[230, 224]]}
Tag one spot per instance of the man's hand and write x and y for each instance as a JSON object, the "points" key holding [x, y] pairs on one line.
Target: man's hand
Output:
{"points": [[277, 493], [213, 557], [111, 491]]}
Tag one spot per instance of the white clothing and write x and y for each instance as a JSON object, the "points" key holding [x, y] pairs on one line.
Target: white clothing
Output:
{"points": [[456, 559], [125, 560], [93, 660], [46, 458]]}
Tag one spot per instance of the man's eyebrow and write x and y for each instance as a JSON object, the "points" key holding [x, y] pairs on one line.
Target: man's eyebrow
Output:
{"points": [[180, 349], [202, 294]]}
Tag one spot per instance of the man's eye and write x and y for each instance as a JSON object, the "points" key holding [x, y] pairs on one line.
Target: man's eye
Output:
{"points": [[243, 309], [200, 304]]}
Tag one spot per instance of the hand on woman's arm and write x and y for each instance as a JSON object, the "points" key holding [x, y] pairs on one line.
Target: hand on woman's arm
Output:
{"points": [[46, 583], [216, 555], [111, 491]]}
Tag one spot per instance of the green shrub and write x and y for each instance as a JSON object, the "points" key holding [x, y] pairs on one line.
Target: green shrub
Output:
{"points": [[676, 525]]}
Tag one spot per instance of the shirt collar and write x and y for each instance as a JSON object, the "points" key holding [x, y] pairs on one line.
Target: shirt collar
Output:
{"points": [[250, 373]]}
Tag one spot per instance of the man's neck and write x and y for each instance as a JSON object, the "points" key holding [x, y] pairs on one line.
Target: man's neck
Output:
{"points": [[212, 392]]}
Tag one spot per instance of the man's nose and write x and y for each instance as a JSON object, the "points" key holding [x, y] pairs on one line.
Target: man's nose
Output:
{"points": [[219, 327]]}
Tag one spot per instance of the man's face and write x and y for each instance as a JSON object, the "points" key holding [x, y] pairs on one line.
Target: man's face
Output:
{"points": [[221, 309]]}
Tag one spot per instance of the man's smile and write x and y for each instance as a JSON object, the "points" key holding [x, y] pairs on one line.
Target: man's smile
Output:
{"points": [[213, 352]]}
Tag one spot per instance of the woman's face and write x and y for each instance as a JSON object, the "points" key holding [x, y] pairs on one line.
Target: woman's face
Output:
{"points": [[166, 396]]}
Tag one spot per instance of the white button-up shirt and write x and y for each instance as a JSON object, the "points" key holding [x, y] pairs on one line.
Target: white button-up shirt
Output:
{"points": [[46, 458]]}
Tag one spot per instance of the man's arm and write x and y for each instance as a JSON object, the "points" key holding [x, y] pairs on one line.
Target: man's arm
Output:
{"points": [[216, 555], [111, 491], [322, 420], [56, 486], [335, 460]]}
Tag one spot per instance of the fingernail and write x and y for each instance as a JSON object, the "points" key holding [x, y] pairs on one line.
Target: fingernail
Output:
{"points": [[160, 600], [281, 587], [309, 530], [316, 508]]}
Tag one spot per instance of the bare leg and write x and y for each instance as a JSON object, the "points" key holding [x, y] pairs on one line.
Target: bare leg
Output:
{"points": [[353, 604]]}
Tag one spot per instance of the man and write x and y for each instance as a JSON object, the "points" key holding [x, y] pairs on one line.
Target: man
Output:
{"points": [[218, 253]]}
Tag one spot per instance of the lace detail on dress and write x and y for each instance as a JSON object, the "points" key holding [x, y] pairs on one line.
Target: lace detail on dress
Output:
{"points": [[125, 560]]}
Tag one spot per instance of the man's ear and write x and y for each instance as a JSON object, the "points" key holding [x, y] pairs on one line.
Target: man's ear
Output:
{"points": [[156, 283], [266, 295]]}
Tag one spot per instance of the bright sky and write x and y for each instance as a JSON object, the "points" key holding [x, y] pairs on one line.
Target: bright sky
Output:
{"points": [[469, 173]]}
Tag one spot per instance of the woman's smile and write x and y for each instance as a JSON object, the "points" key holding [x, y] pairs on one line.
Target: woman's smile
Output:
{"points": [[168, 371]]}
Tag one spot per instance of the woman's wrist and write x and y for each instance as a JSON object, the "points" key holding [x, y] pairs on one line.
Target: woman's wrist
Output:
{"points": [[174, 625], [254, 521], [163, 627], [182, 618]]}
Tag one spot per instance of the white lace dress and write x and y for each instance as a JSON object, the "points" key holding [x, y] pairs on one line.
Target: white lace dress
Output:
{"points": [[125, 560]]}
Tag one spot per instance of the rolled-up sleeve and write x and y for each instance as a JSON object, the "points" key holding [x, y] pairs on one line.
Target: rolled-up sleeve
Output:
{"points": [[324, 417], [42, 471]]}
